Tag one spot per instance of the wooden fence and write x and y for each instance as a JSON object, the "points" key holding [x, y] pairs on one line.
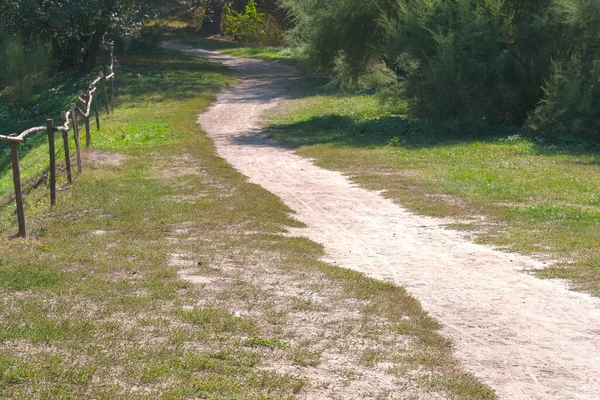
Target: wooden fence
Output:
{"points": [[87, 100]]}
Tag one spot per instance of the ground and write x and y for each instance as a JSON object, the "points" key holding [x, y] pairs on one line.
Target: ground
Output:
{"points": [[522, 335], [163, 273]]}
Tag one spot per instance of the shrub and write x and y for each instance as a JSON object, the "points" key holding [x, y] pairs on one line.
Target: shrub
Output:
{"points": [[464, 62], [75, 28], [252, 26], [571, 102], [344, 36], [452, 61]]}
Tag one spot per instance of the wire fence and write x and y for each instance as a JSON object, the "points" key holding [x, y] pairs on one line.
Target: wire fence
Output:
{"points": [[68, 119]]}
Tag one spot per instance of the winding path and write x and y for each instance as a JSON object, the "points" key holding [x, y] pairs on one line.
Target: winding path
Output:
{"points": [[525, 337]]}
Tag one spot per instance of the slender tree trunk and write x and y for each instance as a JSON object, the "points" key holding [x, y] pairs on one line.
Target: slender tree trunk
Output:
{"points": [[91, 55], [212, 18]]}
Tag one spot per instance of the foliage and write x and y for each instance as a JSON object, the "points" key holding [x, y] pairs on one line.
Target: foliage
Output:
{"points": [[252, 26], [22, 65], [339, 35], [455, 49], [75, 29], [572, 94], [149, 37], [466, 61]]}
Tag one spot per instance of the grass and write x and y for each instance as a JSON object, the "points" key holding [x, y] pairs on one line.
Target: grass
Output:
{"points": [[163, 274], [54, 95], [517, 193]]}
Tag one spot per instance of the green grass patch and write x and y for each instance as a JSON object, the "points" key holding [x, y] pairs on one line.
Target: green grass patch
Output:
{"points": [[24, 277]]}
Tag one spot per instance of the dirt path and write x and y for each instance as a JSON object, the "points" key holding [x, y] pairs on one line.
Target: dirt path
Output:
{"points": [[527, 338]]}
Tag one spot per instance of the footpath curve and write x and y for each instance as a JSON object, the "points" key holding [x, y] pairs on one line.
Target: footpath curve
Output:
{"points": [[527, 338]]}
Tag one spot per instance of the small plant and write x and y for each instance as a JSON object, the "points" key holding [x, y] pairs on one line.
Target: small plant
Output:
{"points": [[269, 343], [395, 142], [306, 358]]}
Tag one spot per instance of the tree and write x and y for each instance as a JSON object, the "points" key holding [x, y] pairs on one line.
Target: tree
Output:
{"points": [[75, 29], [212, 17], [346, 34], [214, 11]]}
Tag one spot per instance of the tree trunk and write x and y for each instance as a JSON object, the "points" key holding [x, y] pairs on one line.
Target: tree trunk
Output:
{"points": [[212, 18]]}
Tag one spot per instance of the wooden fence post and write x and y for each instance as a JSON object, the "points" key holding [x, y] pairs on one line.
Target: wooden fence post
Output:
{"points": [[14, 148], [65, 135], [96, 112], [116, 63], [86, 120], [105, 92], [76, 135], [50, 125], [112, 94]]}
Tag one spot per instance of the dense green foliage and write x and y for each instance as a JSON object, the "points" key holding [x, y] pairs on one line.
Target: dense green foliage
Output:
{"points": [[75, 30], [533, 62], [21, 66], [572, 93]]}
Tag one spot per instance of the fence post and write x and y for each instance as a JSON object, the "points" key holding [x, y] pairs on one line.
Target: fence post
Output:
{"points": [[105, 92], [112, 94], [14, 149], [65, 135], [50, 125], [86, 120], [116, 63], [95, 102], [76, 135], [113, 69]]}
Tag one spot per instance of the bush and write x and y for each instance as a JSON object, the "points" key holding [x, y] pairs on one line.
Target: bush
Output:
{"points": [[453, 62], [571, 102], [252, 26], [75, 28], [465, 62], [344, 36]]}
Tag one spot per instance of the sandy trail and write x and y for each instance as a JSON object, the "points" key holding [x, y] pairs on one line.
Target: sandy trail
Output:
{"points": [[527, 338]]}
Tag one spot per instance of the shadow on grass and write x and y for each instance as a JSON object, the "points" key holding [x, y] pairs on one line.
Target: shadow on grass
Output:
{"points": [[396, 130], [190, 37], [55, 97], [154, 75], [387, 130]]}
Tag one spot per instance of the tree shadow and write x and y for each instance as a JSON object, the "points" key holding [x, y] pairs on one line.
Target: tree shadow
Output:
{"points": [[397, 130], [386, 130], [569, 145], [157, 75], [191, 36]]}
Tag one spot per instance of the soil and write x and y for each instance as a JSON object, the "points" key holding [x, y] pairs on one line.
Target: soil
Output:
{"points": [[97, 157], [527, 338]]}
